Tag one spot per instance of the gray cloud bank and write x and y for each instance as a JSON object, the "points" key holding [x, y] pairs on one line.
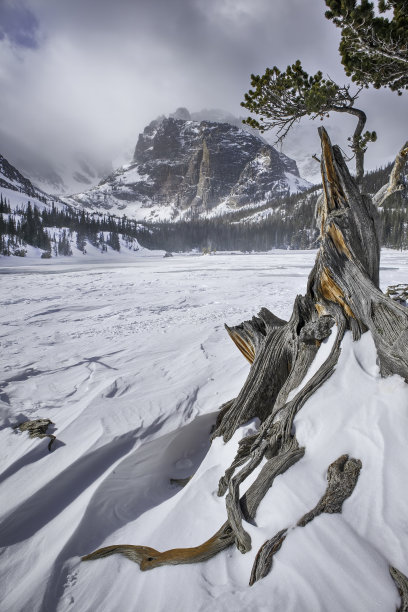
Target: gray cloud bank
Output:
{"points": [[88, 75]]}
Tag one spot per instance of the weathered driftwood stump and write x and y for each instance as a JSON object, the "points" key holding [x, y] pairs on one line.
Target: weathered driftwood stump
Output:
{"points": [[342, 294]]}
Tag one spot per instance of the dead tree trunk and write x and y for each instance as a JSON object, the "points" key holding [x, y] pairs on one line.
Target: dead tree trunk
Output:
{"points": [[343, 294], [395, 182]]}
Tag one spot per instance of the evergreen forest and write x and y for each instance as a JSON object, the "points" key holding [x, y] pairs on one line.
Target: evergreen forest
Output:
{"points": [[287, 223]]}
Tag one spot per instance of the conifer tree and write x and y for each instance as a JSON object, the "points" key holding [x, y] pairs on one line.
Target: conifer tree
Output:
{"points": [[373, 50], [374, 45], [281, 99]]}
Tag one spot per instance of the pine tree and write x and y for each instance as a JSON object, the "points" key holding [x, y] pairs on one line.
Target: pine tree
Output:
{"points": [[64, 247], [281, 99], [113, 241], [373, 48], [81, 240]]}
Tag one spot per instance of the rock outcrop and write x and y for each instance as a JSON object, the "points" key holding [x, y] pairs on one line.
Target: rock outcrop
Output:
{"points": [[11, 178], [184, 168]]}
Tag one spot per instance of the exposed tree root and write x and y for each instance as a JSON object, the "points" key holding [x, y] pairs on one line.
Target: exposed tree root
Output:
{"points": [[342, 475], [401, 582], [342, 291], [149, 558], [264, 558]]}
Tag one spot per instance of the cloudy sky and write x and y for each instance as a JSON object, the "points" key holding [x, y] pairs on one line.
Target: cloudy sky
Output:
{"points": [[88, 75]]}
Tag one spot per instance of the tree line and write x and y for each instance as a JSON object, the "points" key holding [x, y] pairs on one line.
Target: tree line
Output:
{"points": [[286, 222], [30, 225]]}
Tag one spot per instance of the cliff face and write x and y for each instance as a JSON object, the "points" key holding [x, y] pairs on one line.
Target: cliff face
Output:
{"points": [[11, 178], [188, 168]]}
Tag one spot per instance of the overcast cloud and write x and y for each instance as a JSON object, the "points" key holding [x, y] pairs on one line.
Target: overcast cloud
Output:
{"points": [[88, 75]]}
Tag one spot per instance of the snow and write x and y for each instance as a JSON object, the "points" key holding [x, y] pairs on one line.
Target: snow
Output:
{"points": [[296, 183], [20, 200], [119, 194], [130, 360], [14, 182], [104, 202]]}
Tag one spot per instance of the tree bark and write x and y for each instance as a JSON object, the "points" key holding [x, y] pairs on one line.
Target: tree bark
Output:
{"points": [[401, 582], [395, 182], [356, 145], [343, 294], [342, 476]]}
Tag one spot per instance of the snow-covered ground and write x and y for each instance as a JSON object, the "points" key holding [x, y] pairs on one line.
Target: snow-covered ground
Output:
{"points": [[130, 360]]}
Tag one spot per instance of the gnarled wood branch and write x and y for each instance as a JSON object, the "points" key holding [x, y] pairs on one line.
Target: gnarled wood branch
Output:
{"points": [[342, 475], [249, 336], [395, 182], [401, 582], [264, 557]]}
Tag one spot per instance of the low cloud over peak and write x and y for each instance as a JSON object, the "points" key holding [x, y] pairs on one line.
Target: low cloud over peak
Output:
{"points": [[90, 74]]}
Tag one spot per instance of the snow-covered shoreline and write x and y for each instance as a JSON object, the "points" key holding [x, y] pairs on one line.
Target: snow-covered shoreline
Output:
{"points": [[130, 360]]}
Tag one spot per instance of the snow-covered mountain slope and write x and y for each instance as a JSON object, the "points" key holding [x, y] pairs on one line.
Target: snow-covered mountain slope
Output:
{"points": [[12, 180], [184, 168], [20, 199], [131, 364], [67, 172], [52, 229], [18, 190]]}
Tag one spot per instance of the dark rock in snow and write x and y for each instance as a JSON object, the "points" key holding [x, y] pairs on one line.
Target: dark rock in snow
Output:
{"points": [[11, 178]]}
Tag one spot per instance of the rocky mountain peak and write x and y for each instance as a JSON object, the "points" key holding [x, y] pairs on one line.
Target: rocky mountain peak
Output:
{"points": [[181, 113], [187, 167]]}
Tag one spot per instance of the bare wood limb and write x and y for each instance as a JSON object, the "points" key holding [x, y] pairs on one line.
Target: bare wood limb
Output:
{"points": [[249, 336], [264, 558], [401, 582], [149, 558], [342, 475], [274, 362], [395, 182]]}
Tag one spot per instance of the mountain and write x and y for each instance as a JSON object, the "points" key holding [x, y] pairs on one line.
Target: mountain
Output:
{"points": [[11, 178], [185, 168], [65, 173], [285, 221], [36, 224]]}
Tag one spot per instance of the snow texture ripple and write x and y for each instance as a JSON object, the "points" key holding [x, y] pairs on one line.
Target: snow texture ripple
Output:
{"points": [[131, 362]]}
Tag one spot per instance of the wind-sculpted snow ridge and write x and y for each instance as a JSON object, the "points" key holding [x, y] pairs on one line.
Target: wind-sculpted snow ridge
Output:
{"points": [[98, 351]]}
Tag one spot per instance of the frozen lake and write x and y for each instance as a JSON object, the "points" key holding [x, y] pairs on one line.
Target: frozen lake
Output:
{"points": [[119, 355]]}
